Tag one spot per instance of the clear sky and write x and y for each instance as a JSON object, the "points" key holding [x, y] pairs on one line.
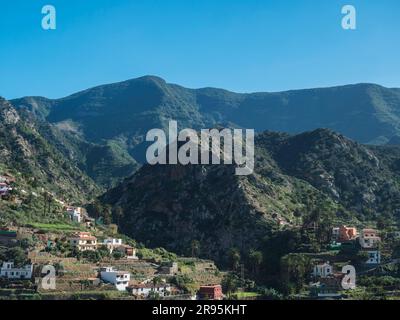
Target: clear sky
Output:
{"points": [[240, 45]]}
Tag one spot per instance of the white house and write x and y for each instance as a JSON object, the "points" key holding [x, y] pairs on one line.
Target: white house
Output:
{"points": [[144, 290], [112, 243], [323, 270], [76, 217], [118, 278], [75, 214], [10, 272], [374, 257]]}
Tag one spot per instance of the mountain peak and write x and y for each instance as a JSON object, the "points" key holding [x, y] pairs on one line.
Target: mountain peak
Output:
{"points": [[150, 78]]}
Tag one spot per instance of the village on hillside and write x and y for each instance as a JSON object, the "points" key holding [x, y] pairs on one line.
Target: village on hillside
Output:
{"points": [[84, 258], [81, 257], [91, 263]]}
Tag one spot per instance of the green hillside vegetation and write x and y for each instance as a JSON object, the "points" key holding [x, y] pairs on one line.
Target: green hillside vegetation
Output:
{"points": [[36, 158]]}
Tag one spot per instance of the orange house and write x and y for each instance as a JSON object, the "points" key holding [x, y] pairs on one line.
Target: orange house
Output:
{"points": [[347, 233]]}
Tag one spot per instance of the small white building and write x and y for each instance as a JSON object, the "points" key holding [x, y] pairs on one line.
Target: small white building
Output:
{"points": [[374, 257], [112, 243], [118, 278], [323, 270], [144, 290], [75, 214], [10, 272]]}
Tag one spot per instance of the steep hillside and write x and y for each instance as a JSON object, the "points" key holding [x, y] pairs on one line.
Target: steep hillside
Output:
{"points": [[295, 177], [26, 150], [363, 179]]}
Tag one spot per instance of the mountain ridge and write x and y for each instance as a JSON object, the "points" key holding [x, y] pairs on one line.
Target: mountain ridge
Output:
{"points": [[159, 79], [120, 114], [206, 99]]}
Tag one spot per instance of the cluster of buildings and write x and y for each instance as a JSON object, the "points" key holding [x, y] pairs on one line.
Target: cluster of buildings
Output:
{"points": [[368, 240], [328, 283], [121, 281]]}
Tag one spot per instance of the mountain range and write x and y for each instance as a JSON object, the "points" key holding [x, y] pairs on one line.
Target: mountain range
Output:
{"points": [[119, 115]]}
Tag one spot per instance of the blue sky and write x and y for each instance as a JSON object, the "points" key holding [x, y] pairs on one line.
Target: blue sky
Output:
{"points": [[244, 46]]}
